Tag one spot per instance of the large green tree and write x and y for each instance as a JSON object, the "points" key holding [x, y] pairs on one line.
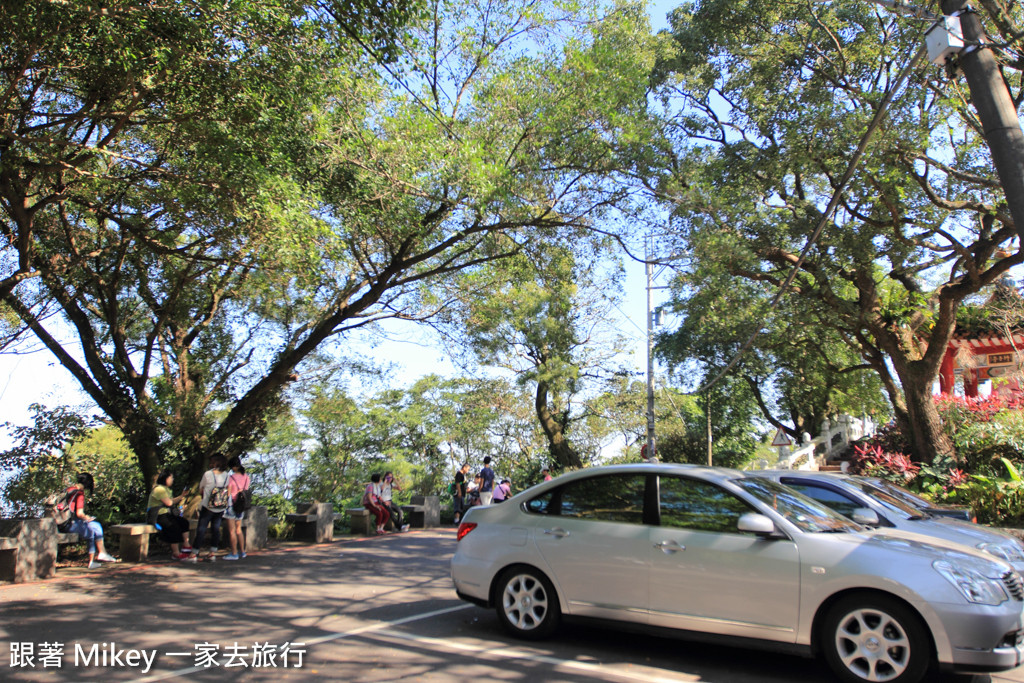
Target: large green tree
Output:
{"points": [[197, 196], [800, 371], [769, 101], [541, 316]]}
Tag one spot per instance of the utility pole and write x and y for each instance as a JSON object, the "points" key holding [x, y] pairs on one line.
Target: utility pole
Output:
{"points": [[648, 273], [653, 320], [995, 108]]}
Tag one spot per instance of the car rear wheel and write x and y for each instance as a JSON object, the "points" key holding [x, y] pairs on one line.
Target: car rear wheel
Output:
{"points": [[527, 605], [876, 639]]}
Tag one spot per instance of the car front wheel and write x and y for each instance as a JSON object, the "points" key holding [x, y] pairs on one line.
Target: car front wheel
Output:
{"points": [[527, 605], [875, 639]]}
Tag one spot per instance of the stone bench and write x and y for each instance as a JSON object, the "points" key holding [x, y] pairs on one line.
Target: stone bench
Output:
{"points": [[133, 540], [361, 522], [255, 526], [313, 522], [425, 512], [415, 516], [28, 550], [66, 538]]}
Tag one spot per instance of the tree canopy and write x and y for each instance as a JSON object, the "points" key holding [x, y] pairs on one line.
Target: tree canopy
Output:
{"points": [[198, 196], [768, 102]]}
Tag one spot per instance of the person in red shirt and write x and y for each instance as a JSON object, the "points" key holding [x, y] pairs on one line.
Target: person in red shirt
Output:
{"points": [[85, 526], [372, 502]]}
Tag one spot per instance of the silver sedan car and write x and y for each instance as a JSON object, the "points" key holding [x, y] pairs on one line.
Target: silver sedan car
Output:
{"points": [[723, 553], [872, 504]]}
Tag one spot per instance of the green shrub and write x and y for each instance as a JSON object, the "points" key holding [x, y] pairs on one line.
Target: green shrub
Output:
{"points": [[277, 506], [60, 443], [995, 500], [983, 430]]}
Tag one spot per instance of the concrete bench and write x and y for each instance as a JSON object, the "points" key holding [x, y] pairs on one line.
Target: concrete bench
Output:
{"points": [[28, 550], [66, 538], [361, 522], [133, 540], [425, 512], [255, 526], [415, 516], [313, 522]]}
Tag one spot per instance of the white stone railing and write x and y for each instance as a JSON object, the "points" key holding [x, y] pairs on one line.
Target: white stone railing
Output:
{"points": [[835, 436]]}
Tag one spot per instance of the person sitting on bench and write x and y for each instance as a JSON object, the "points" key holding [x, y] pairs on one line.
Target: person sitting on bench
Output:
{"points": [[171, 527], [85, 526]]}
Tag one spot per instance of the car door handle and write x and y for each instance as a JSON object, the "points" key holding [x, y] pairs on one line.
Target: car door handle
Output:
{"points": [[557, 531], [669, 547]]}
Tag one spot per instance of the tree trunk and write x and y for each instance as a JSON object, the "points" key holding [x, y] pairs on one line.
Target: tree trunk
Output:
{"points": [[927, 438], [143, 438], [561, 451]]}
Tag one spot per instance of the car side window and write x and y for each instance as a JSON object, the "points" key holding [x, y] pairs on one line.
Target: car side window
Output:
{"points": [[541, 505], [611, 498], [832, 499], [700, 506]]}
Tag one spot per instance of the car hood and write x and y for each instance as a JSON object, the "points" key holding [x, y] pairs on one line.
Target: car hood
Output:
{"points": [[978, 532], [967, 534], [934, 548]]}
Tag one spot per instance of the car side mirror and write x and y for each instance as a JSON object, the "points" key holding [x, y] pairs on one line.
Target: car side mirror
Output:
{"points": [[866, 517], [755, 523]]}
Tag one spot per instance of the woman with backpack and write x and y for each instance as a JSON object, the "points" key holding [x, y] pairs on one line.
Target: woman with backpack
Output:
{"points": [[238, 486], [85, 526], [213, 487]]}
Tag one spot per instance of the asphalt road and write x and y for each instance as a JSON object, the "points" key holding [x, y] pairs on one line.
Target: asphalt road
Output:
{"points": [[379, 609]]}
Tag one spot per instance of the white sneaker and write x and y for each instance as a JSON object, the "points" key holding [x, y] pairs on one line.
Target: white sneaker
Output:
{"points": [[93, 564], [405, 527], [107, 557]]}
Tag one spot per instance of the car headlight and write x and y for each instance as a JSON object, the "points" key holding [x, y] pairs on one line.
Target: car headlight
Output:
{"points": [[971, 583], [1011, 552]]}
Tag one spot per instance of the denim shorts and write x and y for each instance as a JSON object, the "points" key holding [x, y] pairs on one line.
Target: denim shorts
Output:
{"points": [[231, 514]]}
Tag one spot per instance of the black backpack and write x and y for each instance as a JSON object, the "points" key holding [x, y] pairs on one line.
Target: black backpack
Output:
{"points": [[242, 502]]}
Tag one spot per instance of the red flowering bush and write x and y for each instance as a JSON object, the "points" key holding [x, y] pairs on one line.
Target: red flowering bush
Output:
{"points": [[956, 478], [870, 459]]}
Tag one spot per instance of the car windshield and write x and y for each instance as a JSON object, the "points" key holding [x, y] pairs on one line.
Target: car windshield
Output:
{"points": [[898, 492], [806, 513], [896, 506]]}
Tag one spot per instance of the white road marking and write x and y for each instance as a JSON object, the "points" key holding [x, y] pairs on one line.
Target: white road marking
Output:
{"points": [[379, 626], [596, 670]]}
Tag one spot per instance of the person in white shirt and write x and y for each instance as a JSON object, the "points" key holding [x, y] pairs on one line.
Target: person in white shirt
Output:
{"points": [[387, 487]]}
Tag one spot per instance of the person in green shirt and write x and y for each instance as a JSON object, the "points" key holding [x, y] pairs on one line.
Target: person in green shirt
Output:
{"points": [[171, 528]]}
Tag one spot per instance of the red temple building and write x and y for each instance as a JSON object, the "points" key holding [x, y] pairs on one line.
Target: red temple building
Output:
{"points": [[987, 352]]}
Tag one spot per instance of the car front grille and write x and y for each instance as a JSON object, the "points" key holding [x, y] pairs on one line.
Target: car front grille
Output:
{"points": [[1012, 639], [1014, 585]]}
